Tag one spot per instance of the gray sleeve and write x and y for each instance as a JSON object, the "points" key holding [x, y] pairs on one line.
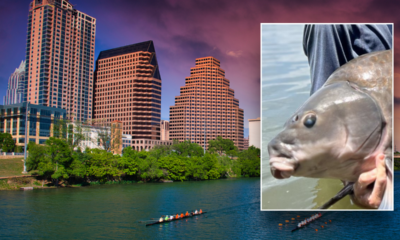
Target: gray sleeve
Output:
{"points": [[330, 46]]}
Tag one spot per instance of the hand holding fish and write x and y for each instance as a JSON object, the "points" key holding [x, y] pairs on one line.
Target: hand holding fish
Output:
{"points": [[368, 195]]}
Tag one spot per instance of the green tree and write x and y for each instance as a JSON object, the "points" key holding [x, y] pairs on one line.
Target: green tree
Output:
{"points": [[78, 167], [2, 135], [103, 165], [128, 162], [59, 154], [220, 146], [149, 168], [196, 168], [8, 143], [18, 149], [175, 166], [249, 161], [187, 148], [35, 156]]}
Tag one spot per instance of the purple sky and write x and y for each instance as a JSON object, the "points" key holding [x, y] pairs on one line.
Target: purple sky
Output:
{"points": [[184, 30]]}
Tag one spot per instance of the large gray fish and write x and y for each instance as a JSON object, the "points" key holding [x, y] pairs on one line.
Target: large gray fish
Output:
{"points": [[340, 129]]}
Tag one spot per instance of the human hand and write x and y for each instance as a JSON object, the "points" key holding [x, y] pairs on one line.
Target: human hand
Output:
{"points": [[369, 195]]}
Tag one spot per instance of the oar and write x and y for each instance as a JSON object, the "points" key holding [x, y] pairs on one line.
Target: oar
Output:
{"points": [[144, 221]]}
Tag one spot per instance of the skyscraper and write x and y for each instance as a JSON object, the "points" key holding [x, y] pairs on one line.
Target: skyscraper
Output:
{"points": [[15, 86], [128, 89], [60, 57], [206, 107]]}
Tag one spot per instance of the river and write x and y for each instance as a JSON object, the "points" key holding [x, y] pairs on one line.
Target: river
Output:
{"points": [[120, 212]]}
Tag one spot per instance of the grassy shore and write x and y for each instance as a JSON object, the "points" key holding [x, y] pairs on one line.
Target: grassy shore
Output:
{"points": [[11, 167], [17, 183]]}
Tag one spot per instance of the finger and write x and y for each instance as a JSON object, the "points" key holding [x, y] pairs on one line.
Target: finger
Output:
{"points": [[380, 182], [366, 179]]}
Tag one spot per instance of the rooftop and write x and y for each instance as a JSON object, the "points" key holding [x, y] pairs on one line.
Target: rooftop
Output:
{"points": [[147, 46]]}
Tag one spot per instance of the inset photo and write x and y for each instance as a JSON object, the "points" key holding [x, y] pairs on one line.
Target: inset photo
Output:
{"points": [[327, 113]]}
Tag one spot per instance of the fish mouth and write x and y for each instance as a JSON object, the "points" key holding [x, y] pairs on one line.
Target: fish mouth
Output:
{"points": [[282, 167]]}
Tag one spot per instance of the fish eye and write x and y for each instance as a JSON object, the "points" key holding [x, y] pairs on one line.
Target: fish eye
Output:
{"points": [[310, 120]]}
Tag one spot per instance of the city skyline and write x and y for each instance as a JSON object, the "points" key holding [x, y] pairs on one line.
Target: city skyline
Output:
{"points": [[176, 50], [184, 31]]}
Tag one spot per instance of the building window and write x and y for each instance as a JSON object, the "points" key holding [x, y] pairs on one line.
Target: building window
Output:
{"points": [[32, 126], [45, 125], [14, 131]]}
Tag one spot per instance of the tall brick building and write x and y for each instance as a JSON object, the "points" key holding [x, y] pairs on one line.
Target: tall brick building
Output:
{"points": [[128, 89], [206, 106], [59, 58]]}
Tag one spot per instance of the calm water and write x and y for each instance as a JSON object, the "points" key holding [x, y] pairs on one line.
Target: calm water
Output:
{"points": [[285, 87], [114, 211]]}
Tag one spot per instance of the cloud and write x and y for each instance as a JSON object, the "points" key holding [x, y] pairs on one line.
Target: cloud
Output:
{"points": [[234, 54]]}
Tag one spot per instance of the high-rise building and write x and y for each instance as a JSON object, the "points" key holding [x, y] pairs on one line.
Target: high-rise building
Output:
{"points": [[15, 86], [254, 132], [164, 128], [207, 107], [128, 89], [60, 58]]}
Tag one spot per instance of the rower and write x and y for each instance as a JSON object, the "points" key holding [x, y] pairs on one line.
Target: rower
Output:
{"points": [[166, 218], [177, 216], [201, 211], [182, 215], [161, 219], [172, 217], [187, 214], [195, 212]]}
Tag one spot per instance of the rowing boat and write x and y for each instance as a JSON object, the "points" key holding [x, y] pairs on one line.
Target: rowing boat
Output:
{"points": [[297, 228], [165, 221]]}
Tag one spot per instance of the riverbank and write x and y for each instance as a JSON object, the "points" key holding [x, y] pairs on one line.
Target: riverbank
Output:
{"points": [[15, 183]]}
